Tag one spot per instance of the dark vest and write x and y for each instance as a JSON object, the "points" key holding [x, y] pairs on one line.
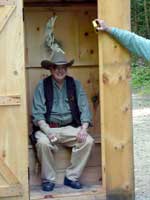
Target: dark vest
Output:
{"points": [[72, 97], [71, 94]]}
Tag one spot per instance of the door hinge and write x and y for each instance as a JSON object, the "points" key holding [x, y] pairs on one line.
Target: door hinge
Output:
{"points": [[23, 14]]}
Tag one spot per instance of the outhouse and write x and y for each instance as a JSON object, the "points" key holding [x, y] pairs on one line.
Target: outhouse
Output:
{"points": [[102, 66]]}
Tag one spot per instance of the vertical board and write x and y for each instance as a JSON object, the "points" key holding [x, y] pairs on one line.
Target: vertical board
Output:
{"points": [[116, 114], [13, 118]]}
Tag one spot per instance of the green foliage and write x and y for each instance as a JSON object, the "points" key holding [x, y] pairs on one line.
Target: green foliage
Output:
{"points": [[141, 78], [140, 24], [140, 17]]}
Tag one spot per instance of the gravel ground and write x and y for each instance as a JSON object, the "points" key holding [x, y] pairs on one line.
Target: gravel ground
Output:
{"points": [[141, 137]]}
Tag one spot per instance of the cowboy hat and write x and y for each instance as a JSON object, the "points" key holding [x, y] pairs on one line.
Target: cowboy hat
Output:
{"points": [[58, 59]]}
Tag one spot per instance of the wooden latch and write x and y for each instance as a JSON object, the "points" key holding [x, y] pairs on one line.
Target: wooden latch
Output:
{"points": [[7, 2], [11, 100]]}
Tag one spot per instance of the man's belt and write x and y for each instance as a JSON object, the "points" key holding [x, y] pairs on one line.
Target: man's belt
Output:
{"points": [[57, 125], [54, 125]]}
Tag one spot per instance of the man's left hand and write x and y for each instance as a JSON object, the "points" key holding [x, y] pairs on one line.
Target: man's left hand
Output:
{"points": [[82, 135]]}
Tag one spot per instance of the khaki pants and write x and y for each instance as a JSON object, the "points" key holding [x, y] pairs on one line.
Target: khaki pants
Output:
{"points": [[67, 137]]}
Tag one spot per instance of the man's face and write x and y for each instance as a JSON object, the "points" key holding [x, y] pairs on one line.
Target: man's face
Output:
{"points": [[59, 73]]}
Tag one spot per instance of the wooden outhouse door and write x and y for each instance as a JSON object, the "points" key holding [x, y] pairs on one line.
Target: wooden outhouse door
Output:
{"points": [[13, 115]]}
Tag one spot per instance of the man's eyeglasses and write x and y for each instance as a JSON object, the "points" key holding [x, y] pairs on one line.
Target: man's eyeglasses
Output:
{"points": [[59, 68]]}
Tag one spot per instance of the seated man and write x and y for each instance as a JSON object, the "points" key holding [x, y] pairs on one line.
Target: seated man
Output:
{"points": [[61, 115]]}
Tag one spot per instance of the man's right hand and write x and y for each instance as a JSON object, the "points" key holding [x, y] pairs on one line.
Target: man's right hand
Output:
{"points": [[47, 130], [102, 25], [53, 139]]}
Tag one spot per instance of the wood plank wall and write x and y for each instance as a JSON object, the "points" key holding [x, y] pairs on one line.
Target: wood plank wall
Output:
{"points": [[13, 117], [74, 30]]}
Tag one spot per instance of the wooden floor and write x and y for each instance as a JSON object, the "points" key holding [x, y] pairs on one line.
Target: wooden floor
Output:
{"points": [[94, 192]]}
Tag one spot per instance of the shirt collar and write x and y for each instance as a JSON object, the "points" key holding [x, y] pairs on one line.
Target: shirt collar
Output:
{"points": [[54, 82]]}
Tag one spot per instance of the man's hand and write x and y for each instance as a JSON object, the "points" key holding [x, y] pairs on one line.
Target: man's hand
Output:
{"points": [[47, 130], [82, 135], [53, 139], [102, 25]]}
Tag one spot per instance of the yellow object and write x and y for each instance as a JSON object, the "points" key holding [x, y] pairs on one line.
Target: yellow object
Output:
{"points": [[95, 25]]}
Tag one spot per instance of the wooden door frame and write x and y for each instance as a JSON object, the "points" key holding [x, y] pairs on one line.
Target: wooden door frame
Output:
{"points": [[116, 115]]}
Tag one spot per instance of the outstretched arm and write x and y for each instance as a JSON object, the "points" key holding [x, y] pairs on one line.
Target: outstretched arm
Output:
{"points": [[134, 43]]}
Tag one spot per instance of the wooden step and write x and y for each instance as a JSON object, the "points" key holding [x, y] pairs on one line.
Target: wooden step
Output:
{"points": [[91, 175], [88, 192]]}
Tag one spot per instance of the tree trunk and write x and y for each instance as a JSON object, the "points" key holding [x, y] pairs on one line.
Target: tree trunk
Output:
{"points": [[135, 16], [146, 19]]}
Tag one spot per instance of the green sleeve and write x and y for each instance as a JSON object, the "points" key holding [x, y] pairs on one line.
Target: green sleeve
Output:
{"points": [[134, 43], [38, 104]]}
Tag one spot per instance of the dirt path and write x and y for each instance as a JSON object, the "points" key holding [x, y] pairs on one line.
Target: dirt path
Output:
{"points": [[141, 137]]}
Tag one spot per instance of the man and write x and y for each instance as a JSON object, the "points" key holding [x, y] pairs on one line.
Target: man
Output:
{"points": [[61, 113], [134, 43]]}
